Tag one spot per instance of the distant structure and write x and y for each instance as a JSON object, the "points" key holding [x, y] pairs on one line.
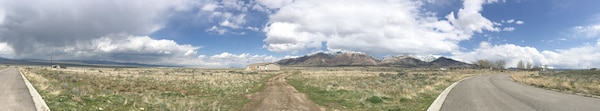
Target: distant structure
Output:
{"points": [[262, 67], [58, 66]]}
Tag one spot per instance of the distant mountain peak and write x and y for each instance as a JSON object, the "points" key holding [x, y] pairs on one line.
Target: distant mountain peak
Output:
{"points": [[426, 58], [341, 58], [331, 59]]}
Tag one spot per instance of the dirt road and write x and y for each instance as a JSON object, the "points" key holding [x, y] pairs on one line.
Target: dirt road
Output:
{"points": [[278, 95]]}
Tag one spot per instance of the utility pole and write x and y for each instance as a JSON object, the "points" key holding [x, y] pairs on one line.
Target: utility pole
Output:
{"points": [[51, 62]]}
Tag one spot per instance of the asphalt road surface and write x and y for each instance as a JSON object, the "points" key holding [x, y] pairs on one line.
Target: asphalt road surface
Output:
{"points": [[500, 93], [14, 95]]}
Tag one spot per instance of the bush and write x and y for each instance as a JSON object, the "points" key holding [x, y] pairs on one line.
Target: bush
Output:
{"points": [[375, 99], [297, 72]]}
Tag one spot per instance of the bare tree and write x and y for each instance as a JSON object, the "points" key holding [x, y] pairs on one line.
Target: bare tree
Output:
{"points": [[499, 64], [521, 65], [484, 64]]}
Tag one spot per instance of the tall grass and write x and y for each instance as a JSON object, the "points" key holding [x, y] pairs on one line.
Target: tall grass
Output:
{"points": [[120, 89], [368, 88], [583, 82]]}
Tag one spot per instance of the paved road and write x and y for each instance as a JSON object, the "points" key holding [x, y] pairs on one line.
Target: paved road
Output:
{"points": [[14, 95], [500, 93]]}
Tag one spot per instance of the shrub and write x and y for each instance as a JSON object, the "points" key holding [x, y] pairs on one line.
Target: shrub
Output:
{"points": [[375, 99]]}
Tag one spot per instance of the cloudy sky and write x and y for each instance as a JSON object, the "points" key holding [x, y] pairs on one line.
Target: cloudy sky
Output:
{"points": [[232, 33]]}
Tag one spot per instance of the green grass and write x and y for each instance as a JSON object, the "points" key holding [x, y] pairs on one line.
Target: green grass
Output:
{"points": [[333, 98]]}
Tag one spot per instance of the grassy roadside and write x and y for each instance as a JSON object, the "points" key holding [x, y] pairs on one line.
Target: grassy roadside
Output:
{"points": [[359, 89], [144, 89], [582, 82]]}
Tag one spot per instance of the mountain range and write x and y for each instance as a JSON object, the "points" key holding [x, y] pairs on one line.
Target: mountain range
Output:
{"points": [[362, 59]]}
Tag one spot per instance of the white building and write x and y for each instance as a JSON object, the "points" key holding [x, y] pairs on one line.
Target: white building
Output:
{"points": [[262, 67]]}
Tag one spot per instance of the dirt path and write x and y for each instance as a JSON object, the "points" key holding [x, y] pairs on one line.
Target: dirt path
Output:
{"points": [[278, 95]]}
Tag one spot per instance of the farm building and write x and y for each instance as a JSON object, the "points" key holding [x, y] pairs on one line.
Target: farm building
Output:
{"points": [[262, 67], [59, 67]]}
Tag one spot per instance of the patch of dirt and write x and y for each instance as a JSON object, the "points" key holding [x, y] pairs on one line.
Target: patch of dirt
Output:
{"points": [[278, 95]]}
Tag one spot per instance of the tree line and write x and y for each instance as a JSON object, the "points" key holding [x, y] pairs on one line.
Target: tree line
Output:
{"points": [[501, 65]]}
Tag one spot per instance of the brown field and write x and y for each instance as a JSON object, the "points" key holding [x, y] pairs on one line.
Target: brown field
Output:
{"points": [[342, 88], [582, 82], [375, 88], [144, 88]]}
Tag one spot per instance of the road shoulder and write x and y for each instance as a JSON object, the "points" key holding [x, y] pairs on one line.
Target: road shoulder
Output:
{"points": [[40, 104], [439, 101]]}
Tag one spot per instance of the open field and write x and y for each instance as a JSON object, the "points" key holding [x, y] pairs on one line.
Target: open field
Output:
{"points": [[343, 88], [375, 88], [582, 82], [121, 89]]}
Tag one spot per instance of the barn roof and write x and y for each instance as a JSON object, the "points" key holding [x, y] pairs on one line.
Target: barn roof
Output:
{"points": [[261, 64]]}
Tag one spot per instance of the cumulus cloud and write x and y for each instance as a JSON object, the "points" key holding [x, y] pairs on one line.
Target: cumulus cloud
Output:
{"points": [[586, 56], [29, 26], [273, 4], [509, 52], [228, 14], [111, 30], [227, 59], [372, 26], [120, 48], [5, 50]]}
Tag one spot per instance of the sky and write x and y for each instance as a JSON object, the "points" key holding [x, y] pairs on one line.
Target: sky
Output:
{"points": [[233, 33]]}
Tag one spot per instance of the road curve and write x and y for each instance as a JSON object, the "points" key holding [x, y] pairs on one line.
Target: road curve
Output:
{"points": [[14, 95], [500, 93]]}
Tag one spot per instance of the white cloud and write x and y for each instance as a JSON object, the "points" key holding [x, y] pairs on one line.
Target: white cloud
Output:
{"points": [[510, 21], [508, 29], [124, 48], [5, 50], [509, 52], [226, 59], [219, 30], [373, 26], [586, 56], [62, 23], [209, 7], [253, 28], [273, 4], [591, 31], [229, 14], [519, 22]]}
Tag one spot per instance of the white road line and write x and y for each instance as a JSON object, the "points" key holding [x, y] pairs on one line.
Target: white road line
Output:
{"points": [[439, 101]]}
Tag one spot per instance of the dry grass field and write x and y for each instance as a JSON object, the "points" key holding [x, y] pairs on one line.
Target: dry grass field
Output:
{"points": [[375, 88], [583, 82], [341, 88], [119, 89]]}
